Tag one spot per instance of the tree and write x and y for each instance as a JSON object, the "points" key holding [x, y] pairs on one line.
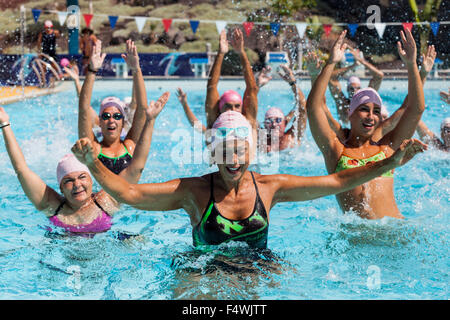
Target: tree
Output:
{"points": [[429, 14]]}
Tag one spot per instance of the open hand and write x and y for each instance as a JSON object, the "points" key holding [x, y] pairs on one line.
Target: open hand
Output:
{"points": [[407, 150], [72, 74], [338, 50], [97, 57], [428, 59], [181, 95], [223, 42], [407, 48], [131, 57], [84, 151], [263, 77], [287, 74], [237, 40], [313, 63], [155, 108]]}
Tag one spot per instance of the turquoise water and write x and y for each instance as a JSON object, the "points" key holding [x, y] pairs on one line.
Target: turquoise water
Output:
{"points": [[315, 252]]}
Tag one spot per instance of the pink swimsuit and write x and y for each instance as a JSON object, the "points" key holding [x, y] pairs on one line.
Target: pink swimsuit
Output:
{"points": [[100, 224]]}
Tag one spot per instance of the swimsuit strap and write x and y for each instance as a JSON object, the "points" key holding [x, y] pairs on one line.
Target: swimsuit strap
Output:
{"points": [[98, 205], [59, 207]]}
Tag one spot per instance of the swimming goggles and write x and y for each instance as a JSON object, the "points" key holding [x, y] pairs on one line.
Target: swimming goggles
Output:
{"points": [[223, 132], [116, 116], [272, 120]]}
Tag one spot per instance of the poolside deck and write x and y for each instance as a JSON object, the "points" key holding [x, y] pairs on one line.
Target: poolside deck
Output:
{"points": [[13, 94]]}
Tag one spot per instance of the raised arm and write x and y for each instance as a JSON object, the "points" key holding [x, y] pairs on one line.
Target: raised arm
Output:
{"points": [[132, 59], [294, 188], [212, 94], [427, 135], [170, 195], [377, 75], [416, 104], [263, 77], [85, 112], [195, 123], [40, 194], [322, 133], [133, 172], [250, 100]]}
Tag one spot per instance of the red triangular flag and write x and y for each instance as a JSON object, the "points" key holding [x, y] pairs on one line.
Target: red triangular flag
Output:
{"points": [[87, 18], [248, 26], [407, 25], [327, 28], [166, 23]]}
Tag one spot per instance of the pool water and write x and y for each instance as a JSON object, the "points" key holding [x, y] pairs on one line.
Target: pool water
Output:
{"points": [[314, 251]]}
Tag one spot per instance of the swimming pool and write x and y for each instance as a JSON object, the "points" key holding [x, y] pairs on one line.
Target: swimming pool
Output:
{"points": [[316, 252]]}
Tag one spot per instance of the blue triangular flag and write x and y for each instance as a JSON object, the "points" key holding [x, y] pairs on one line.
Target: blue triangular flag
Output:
{"points": [[352, 27], [274, 27], [112, 21], [194, 25], [434, 27], [36, 14]]}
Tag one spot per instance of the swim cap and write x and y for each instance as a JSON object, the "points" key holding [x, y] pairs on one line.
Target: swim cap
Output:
{"points": [[445, 123], [353, 79], [384, 111], [231, 125], [274, 112], [68, 164], [48, 24], [363, 96], [229, 96], [127, 101], [112, 102], [64, 62]]}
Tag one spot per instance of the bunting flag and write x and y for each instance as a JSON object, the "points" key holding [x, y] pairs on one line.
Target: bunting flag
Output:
{"points": [[434, 27], [248, 26], [352, 27], [167, 23], [274, 27], [140, 22], [62, 16], [112, 21], [380, 28], [301, 28], [36, 14], [87, 18], [407, 25], [327, 28], [194, 25], [221, 25]]}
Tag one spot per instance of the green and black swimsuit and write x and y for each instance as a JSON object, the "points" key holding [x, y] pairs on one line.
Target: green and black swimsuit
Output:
{"points": [[116, 164], [214, 228]]}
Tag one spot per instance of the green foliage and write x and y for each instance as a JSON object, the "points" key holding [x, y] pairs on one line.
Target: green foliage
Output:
{"points": [[288, 7]]}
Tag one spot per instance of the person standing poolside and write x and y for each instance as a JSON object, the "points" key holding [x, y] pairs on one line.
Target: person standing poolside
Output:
{"points": [[78, 209], [113, 152], [46, 41], [239, 201], [353, 84], [87, 41], [374, 199]]}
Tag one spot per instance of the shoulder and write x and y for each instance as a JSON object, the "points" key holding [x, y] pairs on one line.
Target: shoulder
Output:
{"points": [[107, 203]]}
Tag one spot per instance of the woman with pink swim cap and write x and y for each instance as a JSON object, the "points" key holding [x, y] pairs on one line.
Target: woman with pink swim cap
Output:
{"points": [[375, 199], [78, 209], [231, 100], [115, 153], [233, 204]]}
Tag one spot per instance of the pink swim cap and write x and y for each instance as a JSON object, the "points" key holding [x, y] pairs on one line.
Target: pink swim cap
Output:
{"points": [[353, 79], [227, 96], [274, 112], [64, 62], [231, 125], [48, 24], [363, 96], [112, 102], [68, 164]]}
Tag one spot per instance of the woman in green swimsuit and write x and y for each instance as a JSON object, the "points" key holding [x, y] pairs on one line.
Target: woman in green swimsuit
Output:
{"points": [[233, 203], [374, 199]]}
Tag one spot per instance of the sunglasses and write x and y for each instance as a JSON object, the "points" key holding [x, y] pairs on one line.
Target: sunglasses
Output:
{"points": [[240, 132], [116, 116], [273, 120], [446, 129]]}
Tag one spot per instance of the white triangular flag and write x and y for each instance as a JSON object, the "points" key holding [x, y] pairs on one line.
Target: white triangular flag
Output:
{"points": [[380, 28], [62, 16], [221, 25], [140, 22], [301, 28]]}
